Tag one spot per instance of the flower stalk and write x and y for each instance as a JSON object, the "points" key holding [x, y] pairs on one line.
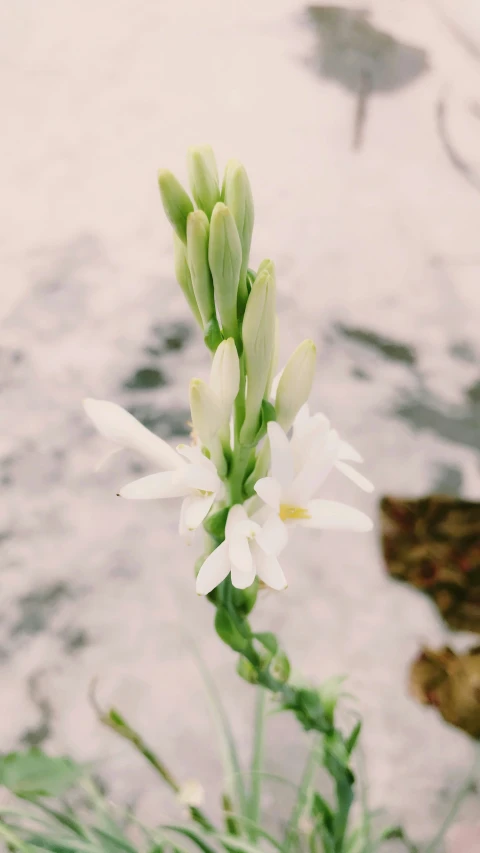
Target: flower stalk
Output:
{"points": [[259, 458]]}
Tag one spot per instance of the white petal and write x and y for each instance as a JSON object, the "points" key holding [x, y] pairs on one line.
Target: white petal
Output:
{"points": [[239, 553], [302, 417], [270, 571], [273, 536], [333, 515], [347, 452], [118, 425], [270, 491], [162, 485], [281, 453], [309, 434], [236, 515], [316, 468], [106, 458], [192, 452], [275, 384], [242, 580], [214, 570], [198, 477], [195, 509], [356, 478]]}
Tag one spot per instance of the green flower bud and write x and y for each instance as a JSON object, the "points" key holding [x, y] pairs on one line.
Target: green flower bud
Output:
{"points": [[176, 202], [203, 177], [280, 667], [225, 376], [274, 362], [237, 195], [295, 383], [247, 671], [225, 259], [258, 343], [182, 274], [197, 254]]}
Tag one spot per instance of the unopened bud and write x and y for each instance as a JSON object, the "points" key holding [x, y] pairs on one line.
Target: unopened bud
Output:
{"points": [[258, 342], [295, 384], [206, 411], [274, 362], [176, 202], [225, 376], [207, 420], [203, 177], [182, 274], [191, 793], [237, 195], [280, 667], [267, 265], [247, 671], [225, 259], [197, 254]]}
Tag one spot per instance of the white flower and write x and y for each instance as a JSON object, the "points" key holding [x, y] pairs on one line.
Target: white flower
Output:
{"points": [[299, 468], [249, 550], [189, 474], [311, 431], [192, 793]]}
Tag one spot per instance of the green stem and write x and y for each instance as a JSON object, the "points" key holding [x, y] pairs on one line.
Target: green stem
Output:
{"points": [[241, 454], [13, 839], [302, 799], [468, 787], [114, 721], [257, 758], [239, 406]]}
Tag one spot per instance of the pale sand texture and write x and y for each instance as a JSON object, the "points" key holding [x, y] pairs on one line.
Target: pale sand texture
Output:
{"points": [[95, 97]]}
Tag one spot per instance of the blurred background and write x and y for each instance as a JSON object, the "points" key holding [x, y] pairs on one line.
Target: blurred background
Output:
{"points": [[359, 126]]}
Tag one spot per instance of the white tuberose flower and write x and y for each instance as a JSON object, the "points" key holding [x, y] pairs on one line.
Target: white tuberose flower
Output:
{"points": [[299, 468], [311, 431], [196, 480], [249, 549]]}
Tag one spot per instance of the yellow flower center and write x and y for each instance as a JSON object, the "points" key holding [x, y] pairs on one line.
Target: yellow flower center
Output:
{"points": [[293, 513]]}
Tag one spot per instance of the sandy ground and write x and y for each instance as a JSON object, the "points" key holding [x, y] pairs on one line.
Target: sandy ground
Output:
{"points": [[95, 97]]}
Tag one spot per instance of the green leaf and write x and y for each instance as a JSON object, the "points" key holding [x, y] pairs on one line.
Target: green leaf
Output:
{"points": [[267, 414], [280, 667], [35, 774], [268, 640], [193, 835], [212, 335], [116, 718], [215, 524], [62, 845], [228, 631], [321, 809], [244, 599], [352, 738], [113, 843], [247, 671]]}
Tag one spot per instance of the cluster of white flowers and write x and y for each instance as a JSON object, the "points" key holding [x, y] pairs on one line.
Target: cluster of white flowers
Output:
{"points": [[243, 458]]}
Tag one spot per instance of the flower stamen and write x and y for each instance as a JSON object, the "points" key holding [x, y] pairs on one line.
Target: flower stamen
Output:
{"points": [[293, 513]]}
